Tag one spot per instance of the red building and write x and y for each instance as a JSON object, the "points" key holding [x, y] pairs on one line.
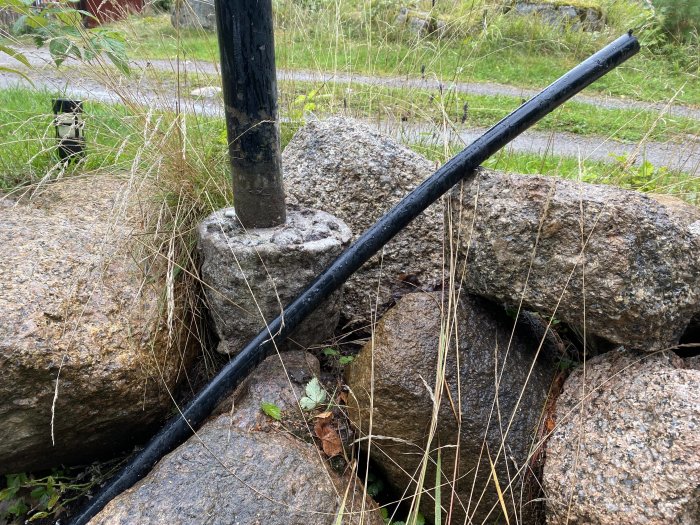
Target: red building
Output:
{"points": [[109, 10]]}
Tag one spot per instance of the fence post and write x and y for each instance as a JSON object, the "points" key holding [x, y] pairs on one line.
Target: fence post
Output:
{"points": [[247, 48]]}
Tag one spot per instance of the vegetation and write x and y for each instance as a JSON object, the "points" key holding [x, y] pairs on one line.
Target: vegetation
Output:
{"points": [[46, 496], [489, 45], [680, 18], [483, 41]]}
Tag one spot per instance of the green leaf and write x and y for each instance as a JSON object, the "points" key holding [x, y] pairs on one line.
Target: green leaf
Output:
{"points": [[17, 508], [53, 500], [36, 21], [15, 54], [420, 519], [39, 515], [119, 61], [315, 391], [330, 352], [14, 4], [68, 17], [307, 403], [14, 481], [115, 49], [346, 359], [375, 486], [5, 494], [20, 24], [58, 47], [14, 71], [272, 410], [315, 395], [38, 492]]}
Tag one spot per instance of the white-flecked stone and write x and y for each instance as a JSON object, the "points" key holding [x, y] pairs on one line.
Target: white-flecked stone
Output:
{"points": [[623, 263], [626, 446], [346, 168]]}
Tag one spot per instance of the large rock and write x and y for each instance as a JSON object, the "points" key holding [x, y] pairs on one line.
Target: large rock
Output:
{"points": [[574, 17], [84, 352], [251, 274], [398, 370], [420, 23], [622, 262], [346, 168], [242, 467], [194, 14], [626, 446]]}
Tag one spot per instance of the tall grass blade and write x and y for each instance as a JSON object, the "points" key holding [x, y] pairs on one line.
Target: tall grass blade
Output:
{"points": [[438, 496], [497, 484]]}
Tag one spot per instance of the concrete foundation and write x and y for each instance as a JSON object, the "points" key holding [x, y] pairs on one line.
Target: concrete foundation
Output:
{"points": [[249, 275]]}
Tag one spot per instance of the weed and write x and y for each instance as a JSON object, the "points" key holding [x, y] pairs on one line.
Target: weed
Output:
{"points": [[315, 395], [47, 496], [184, 154], [271, 410], [342, 360]]}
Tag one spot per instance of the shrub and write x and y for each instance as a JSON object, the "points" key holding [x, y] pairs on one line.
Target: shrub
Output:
{"points": [[680, 18]]}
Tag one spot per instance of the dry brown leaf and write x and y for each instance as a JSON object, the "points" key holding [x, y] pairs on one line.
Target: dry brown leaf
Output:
{"points": [[330, 440]]}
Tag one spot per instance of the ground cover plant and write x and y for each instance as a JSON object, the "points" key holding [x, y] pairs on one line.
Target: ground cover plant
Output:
{"points": [[484, 42]]}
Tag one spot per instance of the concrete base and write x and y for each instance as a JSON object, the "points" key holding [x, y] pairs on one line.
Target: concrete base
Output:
{"points": [[249, 276]]}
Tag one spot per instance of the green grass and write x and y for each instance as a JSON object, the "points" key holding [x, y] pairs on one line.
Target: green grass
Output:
{"points": [[516, 53], [419, 106], [645, 178], [28, 137], [116, 140]]}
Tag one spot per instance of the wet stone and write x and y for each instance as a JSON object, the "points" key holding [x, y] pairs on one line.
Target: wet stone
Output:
{"points": [[251, 274]]}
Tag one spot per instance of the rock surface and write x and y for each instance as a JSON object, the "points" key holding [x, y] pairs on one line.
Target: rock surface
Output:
{"points": [[640, 255], [244, 467], [74, 302], [405, 355], [344, 167], [250, 275], [560, 15], [626, 447], [420, 23], [194, 14]]}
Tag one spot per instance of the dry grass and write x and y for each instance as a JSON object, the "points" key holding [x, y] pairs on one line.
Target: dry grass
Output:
{"points": [[155, 140]]}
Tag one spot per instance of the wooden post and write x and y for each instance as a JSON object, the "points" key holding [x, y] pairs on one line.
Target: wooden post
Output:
{"points": [[247, 48]]}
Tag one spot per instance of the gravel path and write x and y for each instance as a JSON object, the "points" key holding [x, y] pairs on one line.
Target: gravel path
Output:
{"points": [[472, 88], [685, 157]]}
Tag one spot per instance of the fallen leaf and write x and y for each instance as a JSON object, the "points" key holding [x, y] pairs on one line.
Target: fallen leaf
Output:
{"points": [[324, 415], [330, 440], [550, 424], [272, 410]]}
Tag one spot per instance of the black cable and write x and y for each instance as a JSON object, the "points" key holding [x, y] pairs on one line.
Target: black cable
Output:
{"points": [[178, 429]]}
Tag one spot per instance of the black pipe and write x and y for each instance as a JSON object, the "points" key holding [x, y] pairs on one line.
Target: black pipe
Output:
{"points": [[249, 84], [178, 429]]}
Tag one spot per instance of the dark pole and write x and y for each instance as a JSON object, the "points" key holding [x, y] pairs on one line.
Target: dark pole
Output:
{"points": [[249, 82], [178, 429]]}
